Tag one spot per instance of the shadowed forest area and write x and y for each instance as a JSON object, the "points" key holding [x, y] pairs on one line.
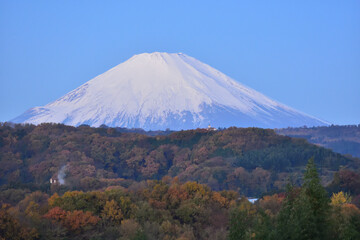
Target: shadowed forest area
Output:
{"points": [[341, 139]]}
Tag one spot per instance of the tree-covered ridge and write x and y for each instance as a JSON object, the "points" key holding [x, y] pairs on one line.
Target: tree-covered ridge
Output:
{"points": [[341, 139], [249, 160]]}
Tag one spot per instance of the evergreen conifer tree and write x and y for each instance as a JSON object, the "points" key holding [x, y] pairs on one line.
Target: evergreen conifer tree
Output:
{"points": [[305, 216]]}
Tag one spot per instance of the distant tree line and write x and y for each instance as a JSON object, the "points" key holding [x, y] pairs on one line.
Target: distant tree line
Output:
{"points": [[343, 139]]}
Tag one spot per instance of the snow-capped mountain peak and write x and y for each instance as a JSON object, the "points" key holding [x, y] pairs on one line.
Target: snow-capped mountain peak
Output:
{"points": [[166, 90]]}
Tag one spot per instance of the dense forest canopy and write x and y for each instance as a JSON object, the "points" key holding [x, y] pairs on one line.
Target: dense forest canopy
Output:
{"points": [[167, 209], [62, 182], [249, 160]]}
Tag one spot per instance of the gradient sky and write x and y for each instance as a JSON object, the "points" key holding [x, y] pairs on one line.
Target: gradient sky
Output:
{"points": [[305, 54]]}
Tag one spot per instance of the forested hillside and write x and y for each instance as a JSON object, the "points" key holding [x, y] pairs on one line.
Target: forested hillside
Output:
{"points": [[169, 210], [186, 185], [341, 139], [249, 160]]}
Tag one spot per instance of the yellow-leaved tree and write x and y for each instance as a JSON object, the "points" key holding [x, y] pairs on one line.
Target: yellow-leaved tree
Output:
{"points": [[340, 198], [112, 212]]}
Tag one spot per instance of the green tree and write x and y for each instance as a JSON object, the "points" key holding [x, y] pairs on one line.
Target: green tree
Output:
{"points": [[305, 216], [315, 205], [242, 221], [287, 227]]}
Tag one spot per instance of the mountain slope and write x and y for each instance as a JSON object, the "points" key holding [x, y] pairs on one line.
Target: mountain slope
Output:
{"points": [[341, 139], [162, 90]]}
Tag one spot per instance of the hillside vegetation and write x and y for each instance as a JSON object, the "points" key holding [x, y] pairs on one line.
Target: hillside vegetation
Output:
{"points": [[170, 210], [341, 139], [249, 160]]}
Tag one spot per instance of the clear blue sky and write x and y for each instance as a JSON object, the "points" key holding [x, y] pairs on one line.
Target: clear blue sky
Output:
{"points": [[305, 54]]}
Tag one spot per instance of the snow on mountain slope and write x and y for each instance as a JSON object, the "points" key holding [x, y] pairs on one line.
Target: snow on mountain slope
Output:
{"points": [[166, 90]]}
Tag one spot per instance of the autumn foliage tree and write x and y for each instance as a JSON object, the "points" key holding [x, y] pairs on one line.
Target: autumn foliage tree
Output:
{"points": [[10, 228], [112, 212], [76, 220]]}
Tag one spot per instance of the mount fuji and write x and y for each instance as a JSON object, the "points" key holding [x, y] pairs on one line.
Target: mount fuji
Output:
{"points": [[166, 90]]}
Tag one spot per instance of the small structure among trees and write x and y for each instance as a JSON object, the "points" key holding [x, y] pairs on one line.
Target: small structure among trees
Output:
{"points": [[53, 181], [210, 128]]}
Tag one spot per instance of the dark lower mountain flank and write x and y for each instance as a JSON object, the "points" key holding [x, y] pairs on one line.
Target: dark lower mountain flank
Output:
{"points": [[249, 160], [341, 139]]}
